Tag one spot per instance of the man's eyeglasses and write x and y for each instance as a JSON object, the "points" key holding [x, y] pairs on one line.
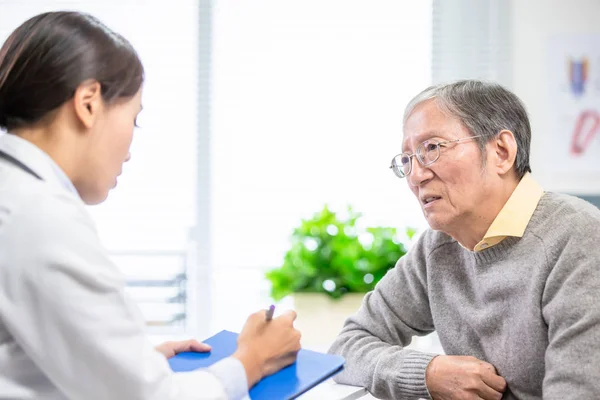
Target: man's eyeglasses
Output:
{"points": [[427, 153]]}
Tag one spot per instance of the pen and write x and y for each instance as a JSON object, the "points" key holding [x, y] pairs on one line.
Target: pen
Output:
{"points": [[270, 311]]}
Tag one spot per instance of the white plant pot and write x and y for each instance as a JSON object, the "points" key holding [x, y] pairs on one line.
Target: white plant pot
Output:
{"points": [[320, 318]]}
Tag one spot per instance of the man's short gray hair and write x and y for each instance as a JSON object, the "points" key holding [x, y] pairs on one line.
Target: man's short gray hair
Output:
{"points": [[485, 108]]}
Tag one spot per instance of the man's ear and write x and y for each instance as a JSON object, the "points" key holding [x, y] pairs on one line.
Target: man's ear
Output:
{"points": [[505, 148], [87, 102]]}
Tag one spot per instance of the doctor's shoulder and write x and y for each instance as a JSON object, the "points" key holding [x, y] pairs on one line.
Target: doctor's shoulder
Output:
{"points": [[35, 217]]}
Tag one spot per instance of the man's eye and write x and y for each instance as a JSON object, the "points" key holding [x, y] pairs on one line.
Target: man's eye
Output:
{"points": [[430, 146]]}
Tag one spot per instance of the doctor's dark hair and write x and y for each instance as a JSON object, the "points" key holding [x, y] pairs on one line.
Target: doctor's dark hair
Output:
{"points": [[46, 58]]}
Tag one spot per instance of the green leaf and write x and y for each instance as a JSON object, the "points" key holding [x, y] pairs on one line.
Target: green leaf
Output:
{"points": [[326, 256]]}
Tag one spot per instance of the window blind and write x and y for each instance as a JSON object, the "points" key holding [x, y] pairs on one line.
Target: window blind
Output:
{"points": [[471, 39]]}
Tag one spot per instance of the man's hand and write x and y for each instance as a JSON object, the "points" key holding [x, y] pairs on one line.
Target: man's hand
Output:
{"points": [[169, 349], [264, 347], [461, 377]]}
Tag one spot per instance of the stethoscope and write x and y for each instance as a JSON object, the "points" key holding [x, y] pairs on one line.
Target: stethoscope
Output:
{"points": [[19, 164]]}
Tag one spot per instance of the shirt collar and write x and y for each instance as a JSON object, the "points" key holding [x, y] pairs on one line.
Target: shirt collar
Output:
{"points": [[515, 215], [36, 159]]}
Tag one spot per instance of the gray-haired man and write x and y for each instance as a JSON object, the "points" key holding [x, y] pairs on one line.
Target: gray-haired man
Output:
{"points": [[508, 275]]}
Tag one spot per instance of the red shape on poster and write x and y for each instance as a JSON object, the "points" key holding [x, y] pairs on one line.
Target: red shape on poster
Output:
{"points": [[582, 137]]}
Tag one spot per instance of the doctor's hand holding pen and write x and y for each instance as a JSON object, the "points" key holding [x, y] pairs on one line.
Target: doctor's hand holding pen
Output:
{"points": [[267, 344]]}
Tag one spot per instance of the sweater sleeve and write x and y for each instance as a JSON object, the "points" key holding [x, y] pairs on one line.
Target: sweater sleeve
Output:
{"points": [[571, 311], [373, 340]]}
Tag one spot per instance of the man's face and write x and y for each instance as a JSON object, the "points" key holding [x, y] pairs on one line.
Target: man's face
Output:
{"points": [[452, 190]]}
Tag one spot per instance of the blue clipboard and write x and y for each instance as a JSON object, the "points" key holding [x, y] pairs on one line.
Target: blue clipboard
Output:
{"points": [[310, 368]]}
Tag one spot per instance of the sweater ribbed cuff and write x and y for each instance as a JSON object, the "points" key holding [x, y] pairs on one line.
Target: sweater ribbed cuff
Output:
{"points": [[411, 377]]}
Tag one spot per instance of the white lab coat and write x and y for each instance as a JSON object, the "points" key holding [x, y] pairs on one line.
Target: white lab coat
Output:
{"points": [[67, 329]]}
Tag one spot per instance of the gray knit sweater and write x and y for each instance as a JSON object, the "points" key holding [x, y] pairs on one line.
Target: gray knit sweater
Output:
{"points": [[529, 306]]}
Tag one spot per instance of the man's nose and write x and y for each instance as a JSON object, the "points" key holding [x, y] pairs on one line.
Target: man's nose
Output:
{"points": [[419, 174]]}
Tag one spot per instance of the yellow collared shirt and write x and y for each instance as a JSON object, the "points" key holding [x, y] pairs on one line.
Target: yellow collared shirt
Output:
{"points": [[515, 215]]}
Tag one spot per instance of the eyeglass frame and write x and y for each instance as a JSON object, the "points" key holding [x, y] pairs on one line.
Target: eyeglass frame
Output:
{"points": [[420, 146]]}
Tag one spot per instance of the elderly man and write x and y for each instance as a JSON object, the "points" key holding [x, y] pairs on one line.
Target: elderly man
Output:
{"points": [[508, 275]]}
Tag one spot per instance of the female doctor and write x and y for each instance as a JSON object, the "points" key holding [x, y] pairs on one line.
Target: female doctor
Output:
{"points": [[70, 91]]}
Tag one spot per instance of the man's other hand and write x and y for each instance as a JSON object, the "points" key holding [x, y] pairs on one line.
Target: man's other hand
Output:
{"points": [[463, 377]]}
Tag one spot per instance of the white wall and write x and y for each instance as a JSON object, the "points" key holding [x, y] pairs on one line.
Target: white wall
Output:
{"points": [[533, 24], [306, 110]]}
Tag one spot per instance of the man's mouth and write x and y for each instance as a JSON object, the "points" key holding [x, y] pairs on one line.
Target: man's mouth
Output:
{"points": [[429, 199]]}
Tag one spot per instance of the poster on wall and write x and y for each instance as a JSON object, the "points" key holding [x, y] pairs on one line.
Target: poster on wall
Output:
{"points": [[574, 101]]}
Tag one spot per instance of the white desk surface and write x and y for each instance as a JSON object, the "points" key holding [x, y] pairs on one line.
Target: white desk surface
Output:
{"points": [[329, 390]]}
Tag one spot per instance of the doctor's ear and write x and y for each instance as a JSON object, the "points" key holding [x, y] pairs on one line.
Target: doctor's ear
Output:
{"points": [[87, 102]]}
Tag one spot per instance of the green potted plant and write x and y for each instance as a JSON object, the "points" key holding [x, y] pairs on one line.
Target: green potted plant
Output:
{"points": [[332, 262]]}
